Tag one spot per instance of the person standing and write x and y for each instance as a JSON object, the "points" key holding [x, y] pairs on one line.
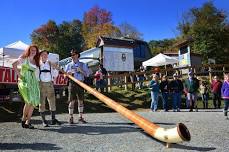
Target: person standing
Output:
{"points": [[79, 71], [191, 86], [28, 82], [176, 88], [98, 80], [204, 93], [104, 73], [164, 87], [225, 94], [140, 77], [155, 88], [216, 91], [47, 76]]}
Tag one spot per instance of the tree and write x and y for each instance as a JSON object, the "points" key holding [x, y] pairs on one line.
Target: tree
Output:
{"points": [[130, 31], [208, 27], [59, 38], [97, 22], [160, 46], [46, 36], [70, 37]]}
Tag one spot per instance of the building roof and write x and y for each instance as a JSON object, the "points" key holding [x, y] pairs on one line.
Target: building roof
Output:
{"points": [[118, 42], [184, 42]]}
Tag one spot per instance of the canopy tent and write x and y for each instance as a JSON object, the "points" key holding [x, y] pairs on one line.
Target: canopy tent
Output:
{"points": [[160, 60], [11, 52]]}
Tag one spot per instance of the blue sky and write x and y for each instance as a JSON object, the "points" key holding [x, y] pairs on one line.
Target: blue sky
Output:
{"points": [[156, 19]]}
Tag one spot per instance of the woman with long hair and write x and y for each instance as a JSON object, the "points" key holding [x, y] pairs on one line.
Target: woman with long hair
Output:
{"points": [[28, 82]]}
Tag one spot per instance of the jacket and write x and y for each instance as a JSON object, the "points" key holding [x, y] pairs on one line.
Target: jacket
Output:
{"points": [[216, 86], [176, 86], [154, 86], [164, 86], [191, 86], [225, 90]]}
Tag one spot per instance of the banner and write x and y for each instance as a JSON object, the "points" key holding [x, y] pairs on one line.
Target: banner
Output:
{"points": [[8, 76]]}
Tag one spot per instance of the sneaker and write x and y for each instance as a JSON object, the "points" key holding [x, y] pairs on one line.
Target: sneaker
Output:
{"points": [[178, 110], [55, 122], [81, 120], [190, 110], [70, 120]]}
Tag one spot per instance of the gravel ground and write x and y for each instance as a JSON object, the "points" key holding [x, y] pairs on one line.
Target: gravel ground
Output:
{"points": [[110, 132]]}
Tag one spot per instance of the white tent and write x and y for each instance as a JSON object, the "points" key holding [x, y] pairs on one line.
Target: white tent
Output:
{"points": [[160, 60], [11, 52]]}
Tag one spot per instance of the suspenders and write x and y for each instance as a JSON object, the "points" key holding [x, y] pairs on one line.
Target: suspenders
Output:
{"points": [[45, 71]]}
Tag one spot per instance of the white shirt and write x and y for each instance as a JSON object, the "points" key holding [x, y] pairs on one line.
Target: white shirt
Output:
{"points": [[47, 76]]}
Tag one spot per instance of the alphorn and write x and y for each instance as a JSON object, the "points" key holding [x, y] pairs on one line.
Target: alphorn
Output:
{"points": [[174, 135]]}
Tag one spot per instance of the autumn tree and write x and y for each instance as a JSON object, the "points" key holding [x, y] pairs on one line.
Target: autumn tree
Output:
{"points": [[97, 22], [160, 46], [46, 36], [59, 38], [208, 27]]}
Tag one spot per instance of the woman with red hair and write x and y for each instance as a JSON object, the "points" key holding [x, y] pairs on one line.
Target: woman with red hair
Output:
{"points": [[28, 82]]}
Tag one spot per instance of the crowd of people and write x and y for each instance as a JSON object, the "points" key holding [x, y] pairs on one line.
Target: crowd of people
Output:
{"points": [[191, 88], [37, 74]]}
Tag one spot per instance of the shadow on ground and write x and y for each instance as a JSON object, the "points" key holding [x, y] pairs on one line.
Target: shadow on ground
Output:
{"points": [[30, 146], [93, 128]]}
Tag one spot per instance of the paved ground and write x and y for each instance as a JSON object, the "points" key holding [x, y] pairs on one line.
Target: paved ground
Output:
{"points": [[110, 132]]}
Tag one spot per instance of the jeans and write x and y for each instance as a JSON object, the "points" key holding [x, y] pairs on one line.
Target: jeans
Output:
{"points": [[154, 102], [192, 98], [165, 100], [226, 105], [176, 100], [216, 96], [205, 100], [140, 84]]}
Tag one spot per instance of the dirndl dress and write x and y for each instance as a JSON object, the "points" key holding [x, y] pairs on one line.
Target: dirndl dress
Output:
{"points": [[28, 84]]}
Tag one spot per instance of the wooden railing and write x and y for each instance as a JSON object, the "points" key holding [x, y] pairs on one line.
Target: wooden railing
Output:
{"points": [[125, 79]]}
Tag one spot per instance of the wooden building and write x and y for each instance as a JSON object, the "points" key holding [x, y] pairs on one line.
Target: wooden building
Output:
{"points": [[139, 48]]}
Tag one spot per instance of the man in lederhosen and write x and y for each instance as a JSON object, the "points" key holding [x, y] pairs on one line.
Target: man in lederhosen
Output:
{"points": [[79, 70], [47, 75]]}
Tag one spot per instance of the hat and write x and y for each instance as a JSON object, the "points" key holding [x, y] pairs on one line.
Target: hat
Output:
{"points": [[74, 51], [43, 51]]}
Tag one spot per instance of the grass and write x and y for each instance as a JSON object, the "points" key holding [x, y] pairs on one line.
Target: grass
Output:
{"points": [[131, 99]]}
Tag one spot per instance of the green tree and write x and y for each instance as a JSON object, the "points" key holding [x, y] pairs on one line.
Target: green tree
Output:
{"points": [[160, 46], [208, 27], [69, 37]]}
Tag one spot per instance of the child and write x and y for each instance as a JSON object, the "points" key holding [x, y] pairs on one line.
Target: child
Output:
{"points": [[204, 93], [225, 93]]}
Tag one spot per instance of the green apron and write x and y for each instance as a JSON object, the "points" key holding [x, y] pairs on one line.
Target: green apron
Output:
{"points": [[28, 84]]}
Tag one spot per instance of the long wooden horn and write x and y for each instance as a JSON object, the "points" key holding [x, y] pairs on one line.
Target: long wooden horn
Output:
{"points": [[175, 135]]}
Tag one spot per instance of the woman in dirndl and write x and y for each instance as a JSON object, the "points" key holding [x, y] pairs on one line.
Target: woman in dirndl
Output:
{"points": [[28, 82]]}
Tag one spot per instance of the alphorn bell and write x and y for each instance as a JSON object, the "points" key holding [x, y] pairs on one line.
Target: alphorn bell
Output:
{"points": [[174, 135]]}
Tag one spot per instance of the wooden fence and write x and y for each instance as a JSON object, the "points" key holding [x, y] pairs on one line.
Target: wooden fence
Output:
{"points": [[125, 79]]}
